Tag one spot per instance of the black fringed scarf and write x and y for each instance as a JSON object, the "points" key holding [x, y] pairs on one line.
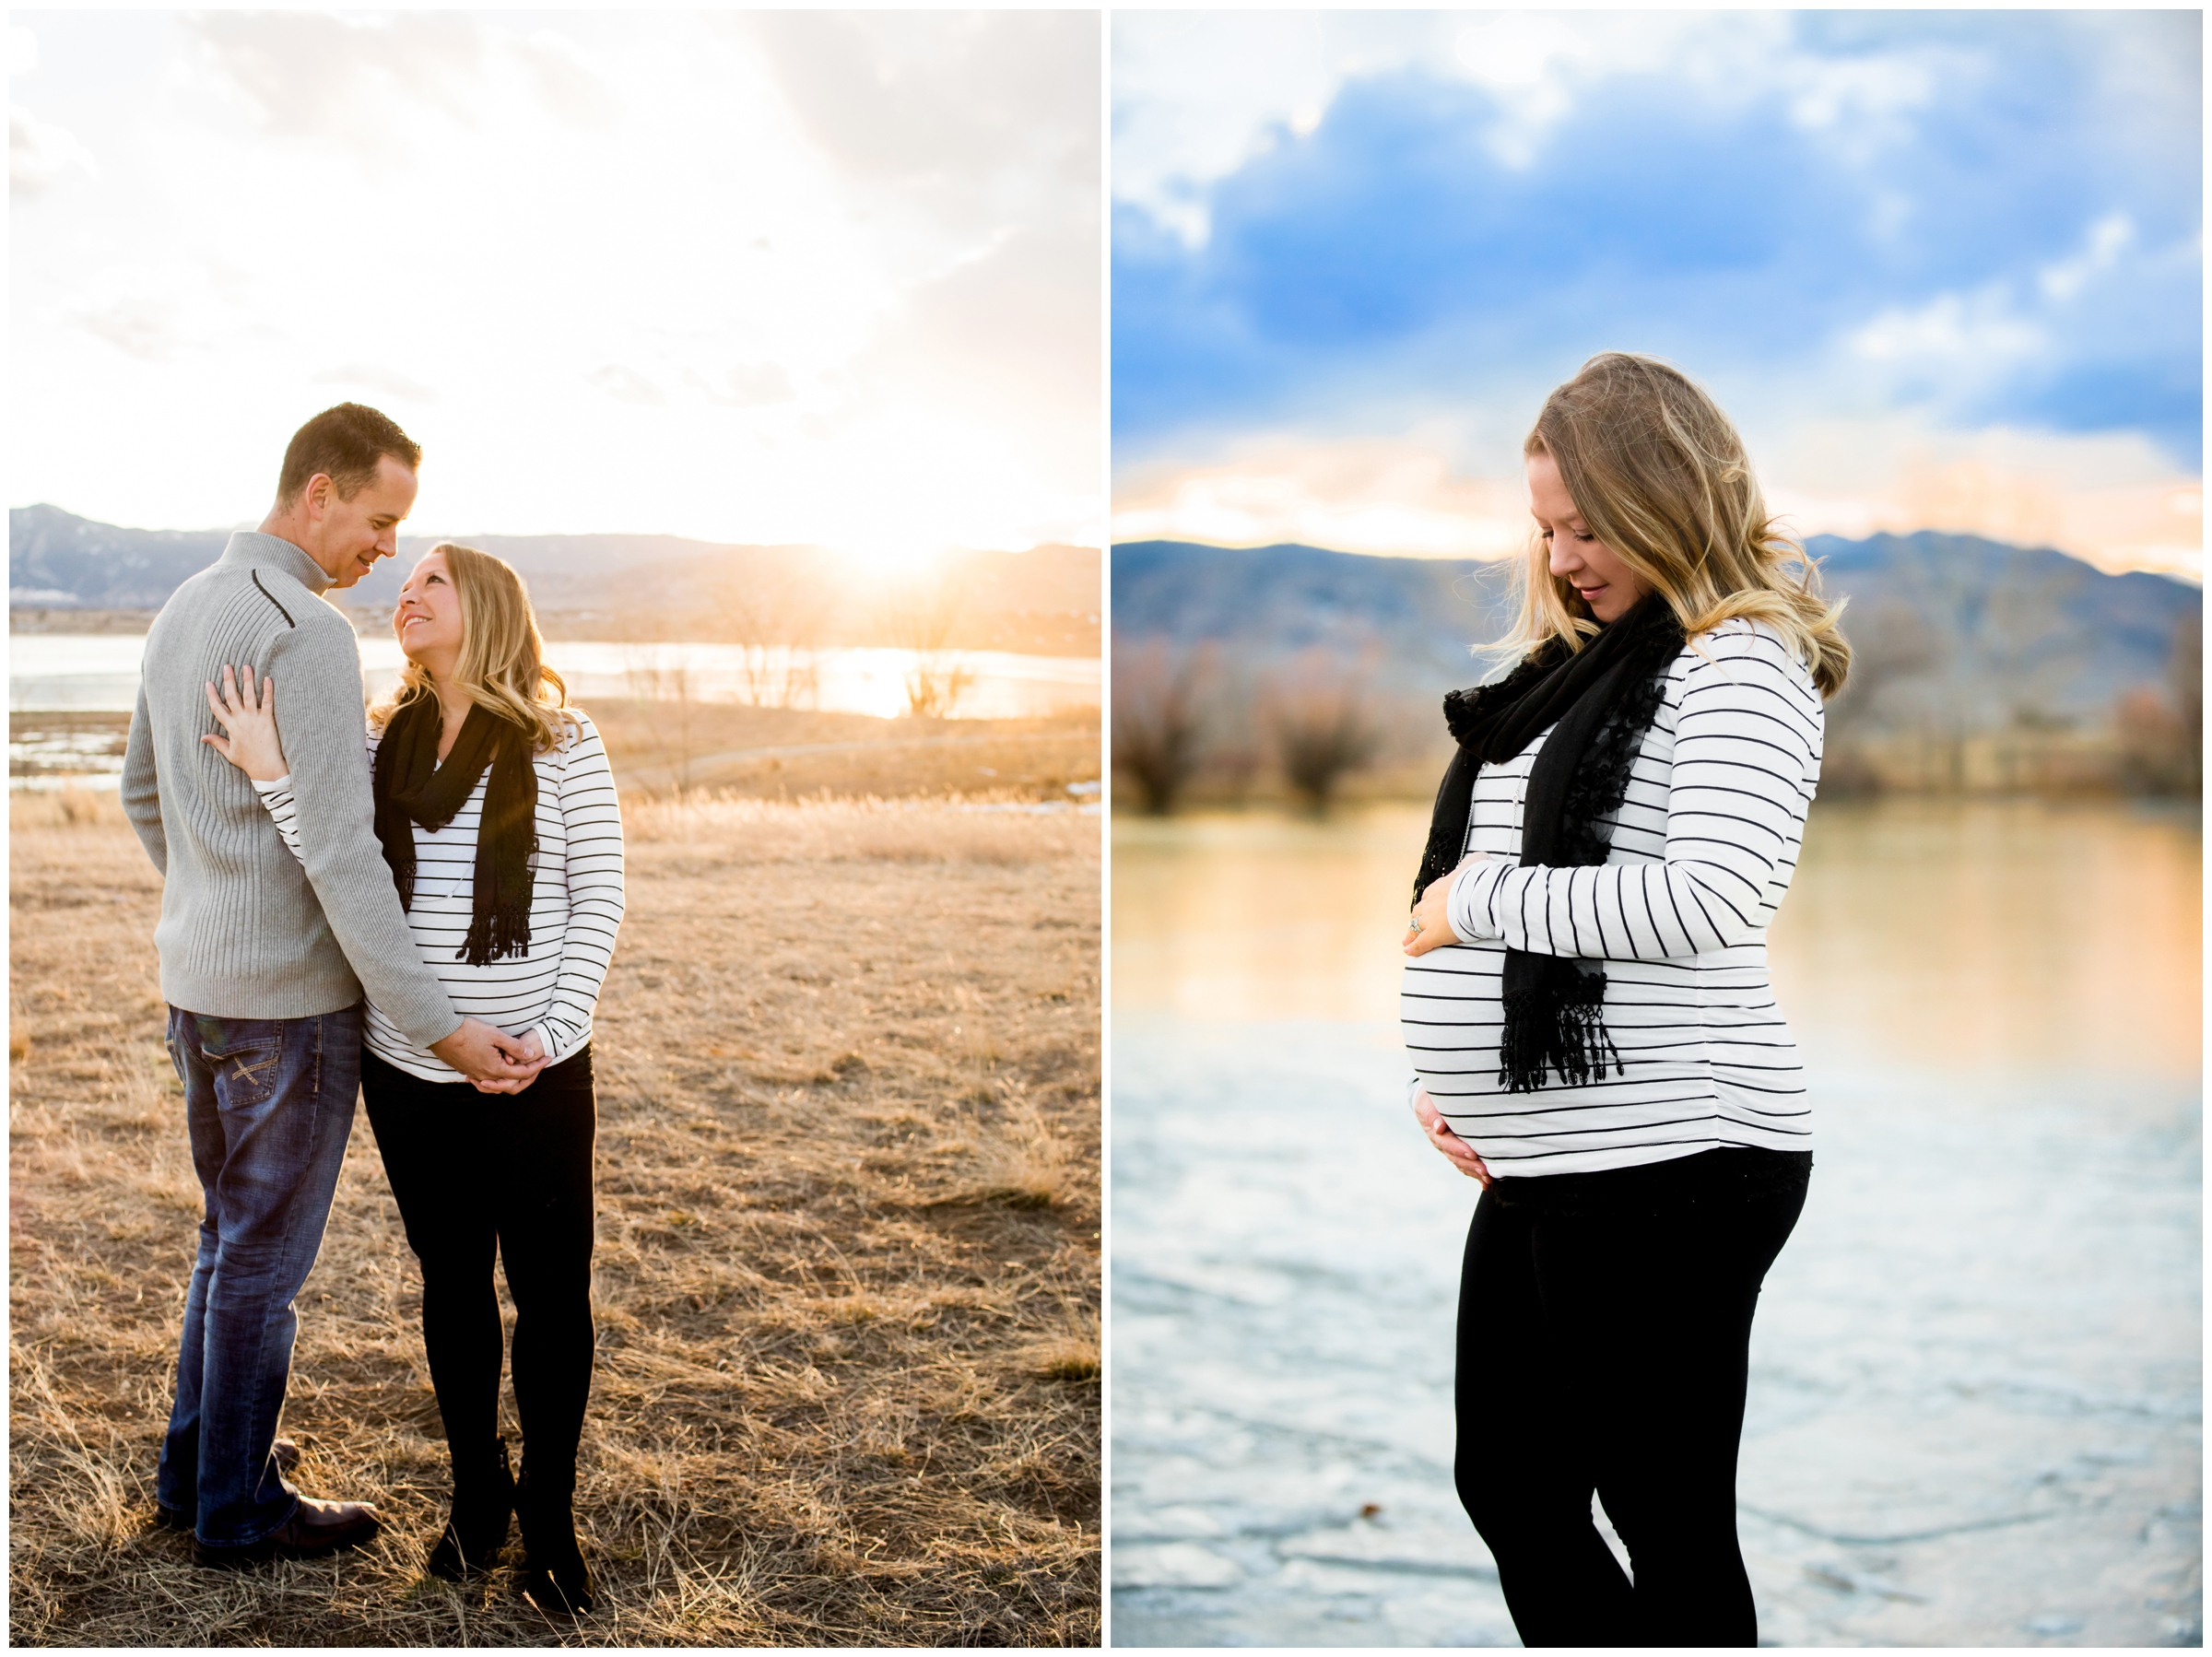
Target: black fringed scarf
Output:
{"points": [[410, 786], [1602, 700]]}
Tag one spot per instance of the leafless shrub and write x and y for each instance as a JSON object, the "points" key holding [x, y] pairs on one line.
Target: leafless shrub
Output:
{"points": [[658, 673], [2186, 683], [1325, 724], [2156, 756], [1891, 647], [923, 613], [1160, 723], [774, 617]]}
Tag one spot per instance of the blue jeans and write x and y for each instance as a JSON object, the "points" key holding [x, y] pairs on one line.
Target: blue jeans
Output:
{"points": [[269, 1103]]}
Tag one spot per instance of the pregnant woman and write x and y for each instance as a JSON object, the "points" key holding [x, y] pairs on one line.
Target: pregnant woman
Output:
{"points": [[1588, 1009], [497, 817]]}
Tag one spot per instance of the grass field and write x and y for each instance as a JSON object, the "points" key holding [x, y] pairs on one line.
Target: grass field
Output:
{"points": [[723, 747], [846, 1280]]}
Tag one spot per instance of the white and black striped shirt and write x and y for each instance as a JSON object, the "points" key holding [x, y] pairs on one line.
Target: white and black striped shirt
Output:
{"points": [[1701, 852], [575, 906]]}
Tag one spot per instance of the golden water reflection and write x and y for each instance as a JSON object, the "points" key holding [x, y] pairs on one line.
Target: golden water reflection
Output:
{"points": [[1996, 935]]}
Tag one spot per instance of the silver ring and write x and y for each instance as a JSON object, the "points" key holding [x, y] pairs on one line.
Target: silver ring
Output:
{"points": [[1417, 924]]}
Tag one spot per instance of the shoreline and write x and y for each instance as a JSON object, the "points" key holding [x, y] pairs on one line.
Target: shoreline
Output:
{"points": [[1069, 636]]}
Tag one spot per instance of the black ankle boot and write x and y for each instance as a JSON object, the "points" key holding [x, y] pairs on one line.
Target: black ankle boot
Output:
{"points": [[483, 1500], [555, 1575]]}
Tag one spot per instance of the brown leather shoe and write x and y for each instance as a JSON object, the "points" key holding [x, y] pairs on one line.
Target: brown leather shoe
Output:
{"points": [[169, 1519], [314, 1528]]}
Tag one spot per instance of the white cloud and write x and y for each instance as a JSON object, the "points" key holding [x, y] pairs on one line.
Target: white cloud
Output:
{"points": [[1981, 331], [352, 82], [40, 153], [612, 274], [2107, 239], [2113, 500], [626, 385], [749, 385], [360, 383], [1198, 96], [1393, 495], [1862, 103]]}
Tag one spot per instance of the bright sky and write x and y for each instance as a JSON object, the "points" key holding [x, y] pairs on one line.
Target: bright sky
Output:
{"points": [[752, 277], [1944, 269]]}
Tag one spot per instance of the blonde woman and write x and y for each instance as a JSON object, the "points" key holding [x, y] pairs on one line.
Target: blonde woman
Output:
{"points": [[497, 818], [1588, 1005]]}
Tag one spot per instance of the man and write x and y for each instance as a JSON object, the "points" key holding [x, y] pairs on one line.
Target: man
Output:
{"points": [[264, 958]]}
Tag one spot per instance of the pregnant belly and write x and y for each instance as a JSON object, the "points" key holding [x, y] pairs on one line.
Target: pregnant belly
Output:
{"points": [[1449, 1007]]}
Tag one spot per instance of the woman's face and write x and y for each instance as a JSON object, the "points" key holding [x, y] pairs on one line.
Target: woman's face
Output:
{"points": [[1609, 586], [428, 618]]}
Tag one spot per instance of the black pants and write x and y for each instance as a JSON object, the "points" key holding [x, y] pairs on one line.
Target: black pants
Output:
{"points": [[1604, 1323], [478, 1174]]}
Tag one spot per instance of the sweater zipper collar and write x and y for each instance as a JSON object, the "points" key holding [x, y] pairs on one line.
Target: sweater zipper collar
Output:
{"points": [[255, 549]]}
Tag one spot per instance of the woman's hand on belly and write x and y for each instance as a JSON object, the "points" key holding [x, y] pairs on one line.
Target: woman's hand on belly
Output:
{"points": [[1430, 926], [1457, 1151]]}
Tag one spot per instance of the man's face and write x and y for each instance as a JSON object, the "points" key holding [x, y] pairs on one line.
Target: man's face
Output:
{"points": [[346, 537]]}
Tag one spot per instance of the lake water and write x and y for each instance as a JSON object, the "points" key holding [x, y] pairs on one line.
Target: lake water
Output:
{"points": [[100, 672], [1976, 1407]]}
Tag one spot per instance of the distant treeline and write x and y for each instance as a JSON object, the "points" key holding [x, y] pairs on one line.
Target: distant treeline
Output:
{"points": [[1041, 602], [1978, 666]]}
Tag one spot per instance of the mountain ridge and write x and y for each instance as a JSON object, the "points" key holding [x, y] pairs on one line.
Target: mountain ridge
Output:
{"points": [[1043, 599], [1954, 632]]}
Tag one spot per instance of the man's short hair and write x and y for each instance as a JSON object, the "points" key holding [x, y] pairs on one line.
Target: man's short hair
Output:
{"points": [[345, 444]]}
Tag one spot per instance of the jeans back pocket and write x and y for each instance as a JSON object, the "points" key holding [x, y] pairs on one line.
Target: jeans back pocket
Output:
{"points": [[246, 1055]]}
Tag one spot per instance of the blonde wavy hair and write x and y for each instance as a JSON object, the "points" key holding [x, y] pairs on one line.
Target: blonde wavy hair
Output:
{"points": [[502, 664], [1660, 476]]}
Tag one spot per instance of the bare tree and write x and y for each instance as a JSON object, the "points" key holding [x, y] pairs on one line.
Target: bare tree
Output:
{"points": [[662, 677], [1158, 724], [923, 613], [2185, 680], [2161, 734], [1324, 725], [774, 618]]}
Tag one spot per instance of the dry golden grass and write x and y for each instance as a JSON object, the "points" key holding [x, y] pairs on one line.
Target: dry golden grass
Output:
{"points": [[784, 754], [846, 1279]]}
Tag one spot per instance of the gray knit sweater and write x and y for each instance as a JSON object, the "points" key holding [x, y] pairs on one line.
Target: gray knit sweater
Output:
{"points": [[247, 930]]}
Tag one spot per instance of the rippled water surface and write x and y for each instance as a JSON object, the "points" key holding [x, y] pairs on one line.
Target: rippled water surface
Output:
{"points": [[1975, 1396]]}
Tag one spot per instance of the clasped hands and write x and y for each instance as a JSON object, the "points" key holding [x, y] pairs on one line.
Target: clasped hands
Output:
{"points": [[1431, 925], [493, 1061]]}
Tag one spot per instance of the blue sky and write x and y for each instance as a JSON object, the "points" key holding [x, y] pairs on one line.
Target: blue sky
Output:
{"points": [[1939, 265]]}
